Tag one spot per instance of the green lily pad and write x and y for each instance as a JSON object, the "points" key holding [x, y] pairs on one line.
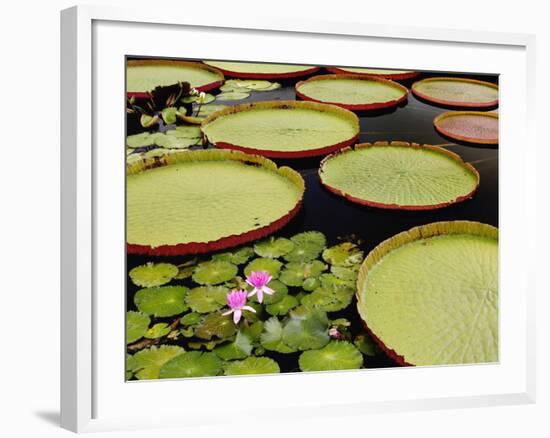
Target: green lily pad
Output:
{"points": [[185, 131], [214, 272], [137, 324], [366, 345], [252, 365], [240, 348], [169, 115], [216, 324], [264, 264], [208, 110], [343, 254], [146, 363], [161, 301], [157, 331], [195, 99], [310, 284], [336, 355], [191, 364], [237, 257], [153, 274], [261, 70], [306, 329], [295, 273], [233, 95], [253, 331], [344, 273], [280, 291], [273, 247], [329, 299], [206, 299], [283, 306], [139, 140], [209, 345], [191, 319], [332, 281], [272, 336], [160, 139], [243, 84], [430, 294], [184, 272], [308, 246]]}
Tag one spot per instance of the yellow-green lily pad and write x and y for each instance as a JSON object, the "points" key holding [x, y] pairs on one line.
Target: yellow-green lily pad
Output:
{"points": [[252, 365], [336, 355], [161, 301]]}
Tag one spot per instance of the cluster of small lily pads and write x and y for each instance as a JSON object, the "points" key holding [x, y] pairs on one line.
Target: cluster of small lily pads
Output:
{"points": [[235, 312], [186, 135]]}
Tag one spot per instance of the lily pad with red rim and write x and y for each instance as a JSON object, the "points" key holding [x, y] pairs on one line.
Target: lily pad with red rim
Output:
{"points": [[282, 129], [142, 76], [399, 175], [395, 75], [429, 295], [203, 201], [353, 92], [247, 70], [457, 92], [469, 126]]}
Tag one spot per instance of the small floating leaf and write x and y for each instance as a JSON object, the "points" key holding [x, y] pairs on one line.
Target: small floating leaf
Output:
{"points": [[295, 273], [329, 299], [280, 291], [169, 115], [264, 264], [232, 95], [243, 84], [207, 110], [283, 306], [153, 274], [252, 365], [214, 272], [161, 301], [306, 329], [185, 131], [192, 99], [158, 331], [206, 299], [240, 348], [146, 363], [253, 331], [344, 273], [271, 338], [216, 324], [309, 245], [190, 319], [237, 257], [343, 254], [366, 345], [191, 364], [273, 247], [136, 325], [311, 284], [330, 280], [336, 355]]}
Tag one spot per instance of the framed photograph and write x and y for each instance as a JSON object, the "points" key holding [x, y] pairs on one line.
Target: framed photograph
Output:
{"points": [[334, 211]]}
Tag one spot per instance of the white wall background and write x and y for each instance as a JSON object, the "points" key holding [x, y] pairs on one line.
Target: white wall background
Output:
{"points": [[29, 218]]}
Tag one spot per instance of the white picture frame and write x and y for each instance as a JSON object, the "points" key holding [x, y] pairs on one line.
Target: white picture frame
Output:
{"points": [[94, 394]]}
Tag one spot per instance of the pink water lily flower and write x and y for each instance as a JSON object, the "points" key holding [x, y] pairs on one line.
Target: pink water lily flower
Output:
{"points": [[236, 300], [258, 280]]}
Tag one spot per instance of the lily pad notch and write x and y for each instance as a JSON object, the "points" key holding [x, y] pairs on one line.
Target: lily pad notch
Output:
{"points": [[293, 180], [341, 114], [218, 77], [361, 81]]}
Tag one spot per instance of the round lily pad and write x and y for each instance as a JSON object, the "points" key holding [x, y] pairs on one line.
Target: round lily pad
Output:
{"points": [[283, 306], [429, 295], [142, 76], [250, 84], [203, 201], [206, 299], [470, 126], [282, 129], [353, 92], [345, 273], [329, 299], [196, 98], [308, 246], [216, 324], [252, 365], [399, 175], [247, 70], [157, 331], [146, 363], [307, 329], [279, 292], [273, 247], [457, 92], [295, 273], [240, 348], [153, 274], [343, 254], [167, 141], [161, 301], [237, 257], [336, 355], [396, 75], [137, 324], [264, 264], [214, 272], [185, 131], [233, 95], [271, 337], [191, 364], [207, 110]]}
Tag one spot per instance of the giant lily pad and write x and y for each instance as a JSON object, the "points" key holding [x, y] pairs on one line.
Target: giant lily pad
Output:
{"points": [[161, 301], [282, 129], [247, 70], [336, 355], [399, 175], [201, 201], [430, 295], [191, 364], [252, 365], [470, 126], [207, 299], [395, 75], [142, 76], [153, 274], [457, 92], [353, 92], [146, 363]]}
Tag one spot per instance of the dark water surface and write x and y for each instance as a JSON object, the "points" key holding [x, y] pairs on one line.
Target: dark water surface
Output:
{"points": [[336, 217]]}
